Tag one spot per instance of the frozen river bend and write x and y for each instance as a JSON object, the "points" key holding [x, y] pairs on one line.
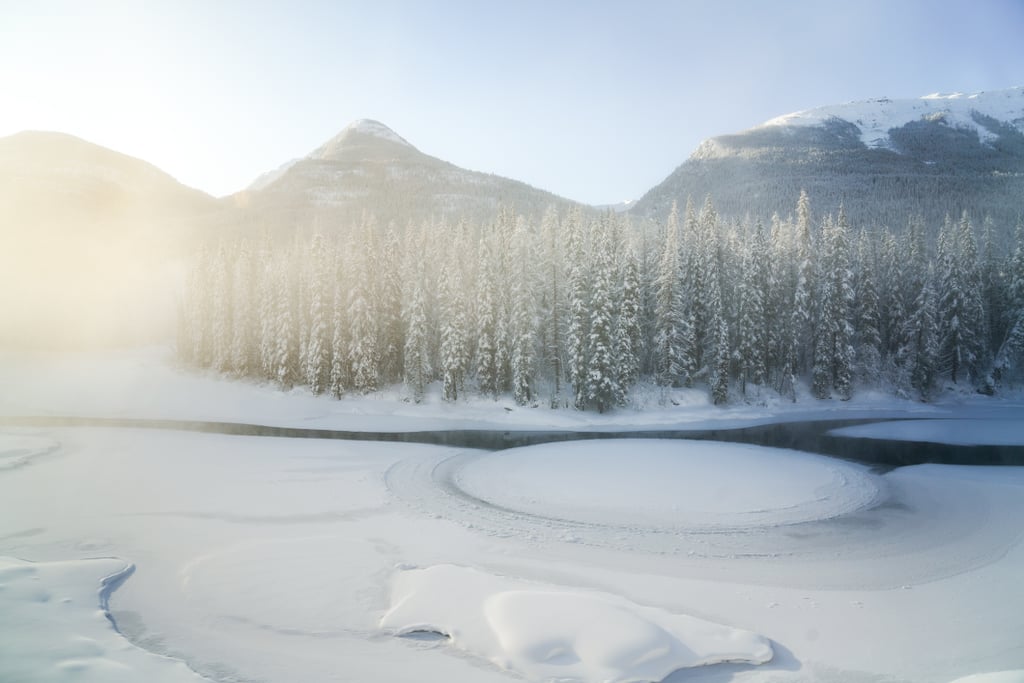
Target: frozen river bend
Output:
{"points": [[282, 559], [246, 558]]}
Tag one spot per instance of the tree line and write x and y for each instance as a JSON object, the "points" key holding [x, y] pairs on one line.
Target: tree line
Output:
{"points": [[573, 310]]}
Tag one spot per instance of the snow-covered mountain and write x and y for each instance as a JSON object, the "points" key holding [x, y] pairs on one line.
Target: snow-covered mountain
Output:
{"points": [[89, 239], [883, 159], [980, 113], [369, 170]]}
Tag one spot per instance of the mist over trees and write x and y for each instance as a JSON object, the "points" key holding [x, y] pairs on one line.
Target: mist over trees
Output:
{"points": [[584, 311]]}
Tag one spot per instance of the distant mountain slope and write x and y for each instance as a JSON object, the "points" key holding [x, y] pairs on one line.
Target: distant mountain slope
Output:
{"points": [[88, 239], [53, 178], [882, 158], [368, 169]]}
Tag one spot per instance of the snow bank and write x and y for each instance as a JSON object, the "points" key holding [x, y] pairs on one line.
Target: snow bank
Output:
{"points": [[544, 632], [974, 432], [994, 677], [54, 627], [145, 383], [668, 484]]}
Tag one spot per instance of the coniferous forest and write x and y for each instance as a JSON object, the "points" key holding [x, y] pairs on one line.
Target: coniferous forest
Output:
{"points": [[580, 310]]}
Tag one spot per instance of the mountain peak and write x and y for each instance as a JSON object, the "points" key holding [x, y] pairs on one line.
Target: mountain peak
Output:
{"points": [[358, 133], [875, 118]]}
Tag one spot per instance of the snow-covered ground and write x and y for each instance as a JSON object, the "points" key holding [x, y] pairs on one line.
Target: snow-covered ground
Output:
{"points": [[974, 432], [146, 384], [280, 560]]}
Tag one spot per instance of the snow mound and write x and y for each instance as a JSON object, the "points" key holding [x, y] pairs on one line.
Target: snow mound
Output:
{"points": [[1016, 676], [973, 432], [18, 448], [874, 118], [667, 484], [544, 632], [54, 627]]}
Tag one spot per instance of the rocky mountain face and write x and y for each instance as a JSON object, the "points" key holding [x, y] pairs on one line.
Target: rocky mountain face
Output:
{"points": [[884, 160], [369, 170]]}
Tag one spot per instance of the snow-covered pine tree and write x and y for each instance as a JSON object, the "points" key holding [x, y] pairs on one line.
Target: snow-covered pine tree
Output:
{"points": [[833, 347], [669, 364], [993, 273], [720, 370], [868, 314], [629, 331], [363, 314], [245, 325], [960, 313], [1009, 357], [286, 345], [487, 362], [522, 314], [221, 292], [318, 295], [705, 287], [753, 324], [454, 355], [893, 266], [390, 335], [417, 341], [780, 269], [717, 351], [552, 302], [801, 344], [340, 376], [602, 381], [267, 293], [577, 276], [922, 337]]}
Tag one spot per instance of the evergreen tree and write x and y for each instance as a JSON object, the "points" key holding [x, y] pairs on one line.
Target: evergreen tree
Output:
{"points": [[245, 324], [286, 338], [221, 314], [868, 317], [522, 315], [801, 344], [318, 345], [720, 372], [487, 360], [454, 348], [1010, 352], [579, 314], [628, 331], [339, 379], [552, 303], [390, 336], [833, 347], [363, 335], [602, 381], [960, 311], [923, 338], [753, 324], [670, 333], [417, 358]]}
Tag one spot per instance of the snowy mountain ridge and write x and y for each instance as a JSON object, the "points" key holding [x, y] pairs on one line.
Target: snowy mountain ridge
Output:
{"points": [[875, 118], [882, 159]]}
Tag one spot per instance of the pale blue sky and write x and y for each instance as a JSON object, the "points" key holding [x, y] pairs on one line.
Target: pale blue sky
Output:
{"points": [[595, 101]]}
